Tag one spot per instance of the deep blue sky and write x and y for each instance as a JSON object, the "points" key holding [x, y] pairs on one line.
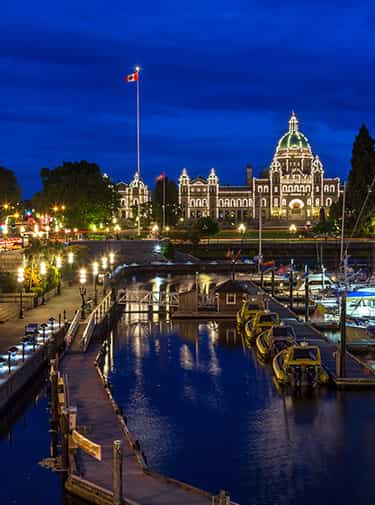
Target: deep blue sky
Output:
{"points": [[219, 81]]}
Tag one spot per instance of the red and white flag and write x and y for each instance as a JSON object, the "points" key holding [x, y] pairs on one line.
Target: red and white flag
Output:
{"points": [[132, 77]]}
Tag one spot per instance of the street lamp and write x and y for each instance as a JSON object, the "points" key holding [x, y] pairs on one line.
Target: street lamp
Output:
{"points": [[104, 261], [21, 280], [43, 273], [82, 290], [95, 272], [58, 266], [242, 230], [111, 259]]}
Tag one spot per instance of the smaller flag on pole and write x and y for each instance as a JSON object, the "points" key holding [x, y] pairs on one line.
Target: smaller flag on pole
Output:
{"points": [[132, 77], [160, 177]]}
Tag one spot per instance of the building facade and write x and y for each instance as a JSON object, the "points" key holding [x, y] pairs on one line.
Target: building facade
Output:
{"points": [[130, 194], [294, 189]]}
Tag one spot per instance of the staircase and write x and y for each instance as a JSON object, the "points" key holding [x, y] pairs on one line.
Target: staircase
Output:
{"points": [[8, 311]]}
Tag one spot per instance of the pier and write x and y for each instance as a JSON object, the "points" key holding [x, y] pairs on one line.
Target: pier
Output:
{"points": [[107, 466], [357, 373]]}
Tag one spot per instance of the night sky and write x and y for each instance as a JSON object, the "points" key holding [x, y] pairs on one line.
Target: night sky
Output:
{"points": [[219, 81]]}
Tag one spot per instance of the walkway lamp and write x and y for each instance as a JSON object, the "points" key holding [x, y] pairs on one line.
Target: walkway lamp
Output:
{"points": [[104, 261], [58, 266], [43, 273], [21, 280], [111, 259], [82, 290], [70, 263], [95, 272], [242, 231]]}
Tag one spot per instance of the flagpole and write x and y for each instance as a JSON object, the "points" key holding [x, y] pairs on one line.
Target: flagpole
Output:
{"points": [[138, 158], [260, 236]]}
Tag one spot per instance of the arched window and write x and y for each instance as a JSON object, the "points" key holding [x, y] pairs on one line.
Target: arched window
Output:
{"points": [[221, 203], [232, 203], [316, 202], [325, 188], [308, 201], [227, 203], [328, 202], [204, 203], [290, 189], [308, 189], [238, 203], [259, 189], [264, 202], [332, 188], [285, 189], [123, 202], [265, 189], [284, 202], [296, 189], [276, 202], [244, 203]]}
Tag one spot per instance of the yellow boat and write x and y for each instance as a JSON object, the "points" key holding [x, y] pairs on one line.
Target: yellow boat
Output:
{"points": [[275, 339], [263, 320], [249, 308], [300, 366]]}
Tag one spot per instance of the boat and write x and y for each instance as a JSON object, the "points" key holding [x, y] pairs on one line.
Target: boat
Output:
{"points": [[250, 307], [360, 328], [263, 320], [300, 366], [270, 342]]}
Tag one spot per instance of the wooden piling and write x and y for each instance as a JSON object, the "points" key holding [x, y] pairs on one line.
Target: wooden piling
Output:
{"points": [[307, 315], [117, 472], [343, 335]]}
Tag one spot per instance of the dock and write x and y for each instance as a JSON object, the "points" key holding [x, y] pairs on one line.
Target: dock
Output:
{"points": [[100, 420], [357, 373]]}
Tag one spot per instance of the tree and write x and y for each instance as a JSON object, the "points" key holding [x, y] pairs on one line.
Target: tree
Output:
{"points": [[358, 186], [10, 191], [87, 196], [206, 226], [165, 190]]}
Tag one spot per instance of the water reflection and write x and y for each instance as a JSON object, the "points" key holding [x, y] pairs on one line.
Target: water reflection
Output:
{"points": [[207, 411]]}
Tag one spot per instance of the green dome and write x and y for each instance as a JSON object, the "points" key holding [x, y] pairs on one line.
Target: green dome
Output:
{"points": [[293, 139]]}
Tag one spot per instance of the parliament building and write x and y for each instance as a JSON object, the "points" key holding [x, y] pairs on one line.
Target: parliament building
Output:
{"points": [[294, 189]]}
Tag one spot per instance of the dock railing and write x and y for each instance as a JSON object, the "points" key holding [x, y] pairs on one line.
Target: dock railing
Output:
{"points": [[73, 327], [96, 317]]}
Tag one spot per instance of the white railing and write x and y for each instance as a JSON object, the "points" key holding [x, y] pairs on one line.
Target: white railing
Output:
{"points": [[96, 317], [73, 327]]}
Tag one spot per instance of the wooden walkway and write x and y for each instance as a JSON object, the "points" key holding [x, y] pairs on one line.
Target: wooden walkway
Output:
{"points": [[98, 421], [357, 374]]}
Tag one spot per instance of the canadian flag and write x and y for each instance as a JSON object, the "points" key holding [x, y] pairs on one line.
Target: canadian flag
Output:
{"points": [[131, 77]]}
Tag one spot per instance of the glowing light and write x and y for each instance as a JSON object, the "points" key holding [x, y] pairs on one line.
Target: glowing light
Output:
{"points": [[292, 228], [70, 257], [241, 228], [82, 275], [20, 275], [155, 228], [104, 261], [43, 268], [58, 262], [95, 268], [111, 258]]}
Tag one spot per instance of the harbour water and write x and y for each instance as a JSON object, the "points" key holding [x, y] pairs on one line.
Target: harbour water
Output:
{"points": [[207, 411]]}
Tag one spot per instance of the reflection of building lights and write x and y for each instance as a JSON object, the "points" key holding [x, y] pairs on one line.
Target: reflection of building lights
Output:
{"points": [[95, 268], [111, 258], [82, 276], [70, 257]]}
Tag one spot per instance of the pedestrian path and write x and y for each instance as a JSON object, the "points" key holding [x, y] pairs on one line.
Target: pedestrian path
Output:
{"points": [[13, 330]]}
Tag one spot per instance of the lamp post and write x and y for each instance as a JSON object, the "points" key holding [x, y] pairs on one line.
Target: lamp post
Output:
{"points": [[95, 272], [82, 290], [242, 231], [21, 280], [58, 266], [111, 260], [70, 262], [43, 273], [104, 262]]}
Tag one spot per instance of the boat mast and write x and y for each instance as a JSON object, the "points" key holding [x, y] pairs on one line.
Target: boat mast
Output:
{"points": [[342, 258]]}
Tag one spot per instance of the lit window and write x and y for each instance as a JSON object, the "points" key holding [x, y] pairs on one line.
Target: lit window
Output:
{"points": [[231, 299]]}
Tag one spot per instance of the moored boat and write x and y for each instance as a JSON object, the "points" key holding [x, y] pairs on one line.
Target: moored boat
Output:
{"points": [[263, 320], [300, 366], [270, 342], [250, 307]]}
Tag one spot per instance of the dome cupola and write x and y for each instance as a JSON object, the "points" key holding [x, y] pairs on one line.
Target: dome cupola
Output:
{"points": [[293, 139]]}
